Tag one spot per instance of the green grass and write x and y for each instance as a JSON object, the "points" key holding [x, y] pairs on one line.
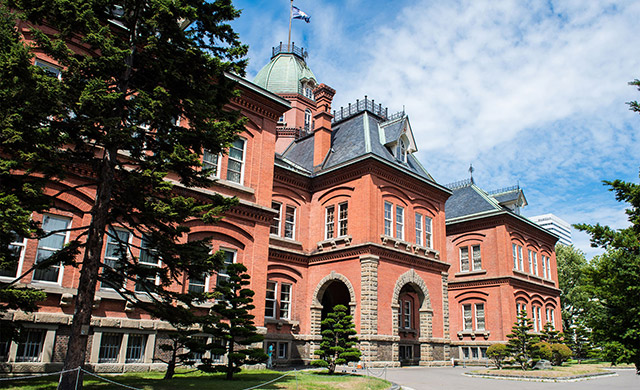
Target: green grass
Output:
{"points": [[308, 380], [566, 370]]}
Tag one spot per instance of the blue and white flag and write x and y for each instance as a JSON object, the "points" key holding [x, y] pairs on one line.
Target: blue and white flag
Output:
{"points": [[299, 14]]}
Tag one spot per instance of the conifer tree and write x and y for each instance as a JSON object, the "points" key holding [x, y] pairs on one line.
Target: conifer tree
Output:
{"points": [[138, 91], [233, 328], [338, 344], [522, 343]]}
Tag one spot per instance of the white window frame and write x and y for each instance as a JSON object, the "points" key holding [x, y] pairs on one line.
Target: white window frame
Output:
{"points": [[157, 264], [407, 313], [549, 268], [286, 290], [242, 161], [472, 260], [399, 225], [343, 219], [271, 302], [22, 248], [221, 273], [467, 317], [520, 258], [543, 260], [530, 256], [307, 120], [277, 220], [66, 241], [480, 318], [290, 224], [329, 222], [283, 350], [464, 259], [388, 219], [514, 249], [428, 232], [419, 229], [535, 263], [48, 67], [207, 164], [115, 259]]}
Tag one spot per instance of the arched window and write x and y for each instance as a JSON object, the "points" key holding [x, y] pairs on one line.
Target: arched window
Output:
{"points": [[308, 92], [401, 150], [307, 120]]}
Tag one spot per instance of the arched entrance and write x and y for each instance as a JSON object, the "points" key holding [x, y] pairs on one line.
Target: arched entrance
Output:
{"points": [[333, 289], [412, 317]]}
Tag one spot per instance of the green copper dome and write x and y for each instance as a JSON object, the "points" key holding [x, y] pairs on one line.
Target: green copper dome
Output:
{"points": [[286, 72]]}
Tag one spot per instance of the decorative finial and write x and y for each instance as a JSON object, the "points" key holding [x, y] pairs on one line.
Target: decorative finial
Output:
{"points": [[471, 172]]}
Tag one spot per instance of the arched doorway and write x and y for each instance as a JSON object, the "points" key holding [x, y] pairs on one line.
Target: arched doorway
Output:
{"points": [[336, 293], [333, 289]]}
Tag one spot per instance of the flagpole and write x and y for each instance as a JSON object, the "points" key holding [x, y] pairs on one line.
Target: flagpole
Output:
{"points": [[290, 17]]}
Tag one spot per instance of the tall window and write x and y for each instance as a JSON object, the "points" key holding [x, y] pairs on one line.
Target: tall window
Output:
{"points": [[117, 248], [307, 120], [343, 219], [285, 301], [388, 218], [467, 318], [419, 229], [543, 260], [150, 260], [536, 312], [308, 92], [229, 258], [30, 348], [56, 227], [428, 224], [474, 263], [520, 307], [329, 224], [423, 230], [17, 247], [270, 300], [480, 316], [211, 161], [235, 166], [535, 263], [400, 222], [520, 259], [135, 348], [275, 224], [109, 347], [406, 314], [290, 222], [548, 261], [401, 150], [551, 317], [514, 247]]}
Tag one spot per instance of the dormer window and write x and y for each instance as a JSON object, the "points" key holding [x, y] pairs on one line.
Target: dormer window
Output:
{"points": [[308, 92], [401, 150], [307, 120]]}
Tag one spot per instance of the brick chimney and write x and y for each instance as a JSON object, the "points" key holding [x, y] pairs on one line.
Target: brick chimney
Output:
{"points": [[322, 131]]}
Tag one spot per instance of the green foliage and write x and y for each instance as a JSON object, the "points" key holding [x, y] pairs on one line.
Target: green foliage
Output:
{"points": [[232, 325], [572, 281], [542, 351], [581, 343], [613, 279], [338, 344], [550, 335], [522, 343], [498, 353], [560, 353]]}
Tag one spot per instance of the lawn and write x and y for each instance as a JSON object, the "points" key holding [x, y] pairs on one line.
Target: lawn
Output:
{"points": [[308, 380], [566, 370]]}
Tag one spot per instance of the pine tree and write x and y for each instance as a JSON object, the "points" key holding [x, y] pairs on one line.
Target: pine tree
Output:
{"points": [[141, 93], [522, 343], [338, 344], [233, 328]]}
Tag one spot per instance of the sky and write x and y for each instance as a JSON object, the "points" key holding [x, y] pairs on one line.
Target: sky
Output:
{"points": [[532, 93]]}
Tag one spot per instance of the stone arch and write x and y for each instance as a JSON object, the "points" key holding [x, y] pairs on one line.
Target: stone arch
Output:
{"points": [[425, 313], [316, 305]]}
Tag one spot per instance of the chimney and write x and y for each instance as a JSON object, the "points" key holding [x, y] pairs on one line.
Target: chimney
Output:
{"points": [[322, 131]]}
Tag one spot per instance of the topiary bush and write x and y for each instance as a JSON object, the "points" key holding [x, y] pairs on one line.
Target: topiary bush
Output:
{"points": [[498, 353], [543, 351], [560, 353]]}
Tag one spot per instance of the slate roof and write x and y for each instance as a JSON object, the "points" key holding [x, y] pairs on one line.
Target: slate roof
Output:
{"points": [[354, 138], [469, 200]]}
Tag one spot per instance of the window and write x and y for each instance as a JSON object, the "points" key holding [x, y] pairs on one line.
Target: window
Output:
{"points": [[235, 165], [466, 316], [535, 262], [521, 307], [401, 150], [474, 353], [343, 214], [197, 355], [400, 222], [270, 301], [290, 222], [480, 316], [285, 301], [537, 318], [405, 352], [551, 318], [548, 261], [17, 247], [117, 248], [423, 230], [198, 284], [475, 262], [427, 232], [51, 70], [543, 260], [109, 347], [211, 161], [135, 348], [150, 260], [388, 218], [520, 259], [308, 92], [307, 120], [56, 227], [281, 119], [419, 229], [229, 258], [283, 349], [406, 314], [514, 247], [275, 224], [329, 225], [30, 349]]}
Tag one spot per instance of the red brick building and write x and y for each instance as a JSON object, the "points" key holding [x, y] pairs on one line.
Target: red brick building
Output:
{"points": [[334, 209]]}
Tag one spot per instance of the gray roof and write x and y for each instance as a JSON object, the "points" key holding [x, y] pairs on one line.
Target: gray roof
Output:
{"points": [[352, 139], [469, 200]]}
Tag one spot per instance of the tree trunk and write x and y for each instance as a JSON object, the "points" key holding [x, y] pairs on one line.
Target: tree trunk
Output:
{"points": [[76, 349], [171, 366], [230, 361]]}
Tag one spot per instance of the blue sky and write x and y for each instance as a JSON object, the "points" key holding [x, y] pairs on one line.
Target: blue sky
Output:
{"points": [[529, 92]]}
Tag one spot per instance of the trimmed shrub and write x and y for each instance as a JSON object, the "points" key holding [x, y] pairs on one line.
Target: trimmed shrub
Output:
{"points": [[560, 353], [498, 353], [543, 351]]}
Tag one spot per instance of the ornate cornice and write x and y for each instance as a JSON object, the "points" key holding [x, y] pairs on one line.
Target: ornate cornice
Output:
{"points": [[510, 280]]}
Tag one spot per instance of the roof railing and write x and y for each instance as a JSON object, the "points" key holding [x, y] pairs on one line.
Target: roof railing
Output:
{"points": [[459, 184], [365, 104], [284, 48], [504, 189]]}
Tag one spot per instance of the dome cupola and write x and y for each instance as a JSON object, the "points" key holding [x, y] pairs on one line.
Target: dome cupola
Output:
{"points": [[287, 72]]}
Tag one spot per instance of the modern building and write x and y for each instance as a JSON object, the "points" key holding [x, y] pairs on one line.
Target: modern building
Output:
{"points": [[555, 225], [334, 208]]}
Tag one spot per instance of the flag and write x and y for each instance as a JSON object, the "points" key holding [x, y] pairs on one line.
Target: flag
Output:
{"points": [[299, 14]]}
